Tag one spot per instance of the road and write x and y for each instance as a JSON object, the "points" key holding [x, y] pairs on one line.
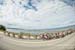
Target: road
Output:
{"points": [[9, 43]]}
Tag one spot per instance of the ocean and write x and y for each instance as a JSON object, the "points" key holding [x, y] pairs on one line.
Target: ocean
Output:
{"points": [[33, 31]]}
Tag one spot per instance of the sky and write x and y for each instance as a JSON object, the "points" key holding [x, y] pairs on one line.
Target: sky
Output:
{"points": [[37, 14]]}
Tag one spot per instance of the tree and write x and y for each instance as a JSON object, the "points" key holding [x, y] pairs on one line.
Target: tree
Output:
{"points": [[2, 28]]}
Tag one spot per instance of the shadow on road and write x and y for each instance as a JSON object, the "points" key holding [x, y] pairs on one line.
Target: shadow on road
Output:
{"points": [[1, 48]]}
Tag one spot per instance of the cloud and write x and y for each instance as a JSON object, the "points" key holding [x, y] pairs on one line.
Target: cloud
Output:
{"points": [[51, 14], [69, 2]]}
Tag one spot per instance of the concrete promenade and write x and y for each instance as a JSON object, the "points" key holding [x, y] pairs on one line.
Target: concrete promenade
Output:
{"points": [[9, 43]]}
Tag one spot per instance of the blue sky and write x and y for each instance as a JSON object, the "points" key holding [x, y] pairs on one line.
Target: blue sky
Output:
{"points": [[49, 14]]}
